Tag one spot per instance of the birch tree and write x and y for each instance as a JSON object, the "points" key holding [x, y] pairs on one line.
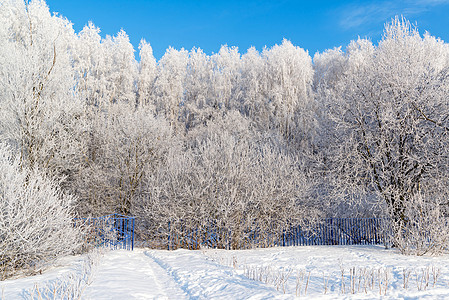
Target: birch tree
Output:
{"points": [[199, 103], [226, 77], [289, 81], [121, 68], [147, 75], [253, 93], [169, 85]]}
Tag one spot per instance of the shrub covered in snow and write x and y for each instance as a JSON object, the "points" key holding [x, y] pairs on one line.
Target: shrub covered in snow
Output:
{"points": [[229, 185], [35, 218]]}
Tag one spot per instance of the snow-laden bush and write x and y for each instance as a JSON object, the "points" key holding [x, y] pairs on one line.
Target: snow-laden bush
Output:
{"points": [[227, 187], [35, 218]]}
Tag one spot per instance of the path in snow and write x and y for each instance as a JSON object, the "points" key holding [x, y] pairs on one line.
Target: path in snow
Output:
{"points": [[180, 274], [132, 275], [202, 278]]}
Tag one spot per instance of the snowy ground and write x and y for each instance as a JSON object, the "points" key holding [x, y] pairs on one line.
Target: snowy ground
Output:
{"points": [[325, 272]]}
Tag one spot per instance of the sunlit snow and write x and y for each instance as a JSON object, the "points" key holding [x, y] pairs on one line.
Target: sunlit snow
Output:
{"points": [[281, 273]]}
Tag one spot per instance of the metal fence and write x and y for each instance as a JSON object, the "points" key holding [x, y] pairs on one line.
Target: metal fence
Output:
{"points": [[330, 231], [113, 231], [117, 232], [336, 231]]}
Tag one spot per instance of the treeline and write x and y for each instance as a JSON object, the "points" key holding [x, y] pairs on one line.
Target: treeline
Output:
{"points": [[262, 140]]}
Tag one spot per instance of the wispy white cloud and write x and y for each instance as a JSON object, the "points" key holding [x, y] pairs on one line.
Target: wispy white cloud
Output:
{"points": [[356, 15]]}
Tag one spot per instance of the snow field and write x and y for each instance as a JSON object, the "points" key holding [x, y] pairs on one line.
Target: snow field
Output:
{"points": [[311, 272], [330, 272]]}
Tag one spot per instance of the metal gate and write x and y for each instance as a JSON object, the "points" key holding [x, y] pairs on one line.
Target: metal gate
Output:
{"points": [[113, 231]]}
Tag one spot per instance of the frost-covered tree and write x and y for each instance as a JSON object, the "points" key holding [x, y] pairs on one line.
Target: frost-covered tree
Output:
{"points": [[90, 67], [169, 85], [388, 115], [121, 68], [106, 69], [252, 92], [226, 77], [199, 105], [36, 218], [211, 85], [127, 144], [40, 114], [147, 75], [289, 76]]}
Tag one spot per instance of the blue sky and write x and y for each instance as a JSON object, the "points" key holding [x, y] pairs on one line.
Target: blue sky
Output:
{"points": [[312, 25]]}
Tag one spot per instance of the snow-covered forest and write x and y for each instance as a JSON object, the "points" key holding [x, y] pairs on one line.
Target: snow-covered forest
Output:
{"points": [[260, 139]]}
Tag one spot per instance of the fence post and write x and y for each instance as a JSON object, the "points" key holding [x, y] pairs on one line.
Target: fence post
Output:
{"points": [[168, 237], [132, 241]]}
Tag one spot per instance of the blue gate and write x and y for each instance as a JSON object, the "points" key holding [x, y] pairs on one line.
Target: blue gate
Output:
{"points": [[113, 231]]}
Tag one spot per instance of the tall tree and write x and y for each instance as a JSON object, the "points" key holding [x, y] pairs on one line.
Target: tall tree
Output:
{"points": [[41, 115], [388, 109], [169, 85], [147, 75], [226, 76], [121, 65], [253, 94], [289, 84], [198, 103]]}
